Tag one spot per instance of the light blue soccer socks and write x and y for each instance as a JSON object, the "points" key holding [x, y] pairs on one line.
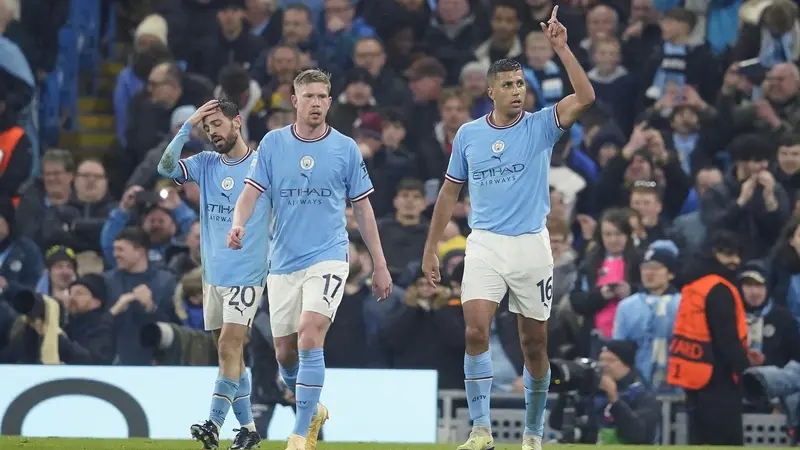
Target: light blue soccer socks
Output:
{"points": [[478, 374], [535, 402], [222, 399], [289, 375], [310, 379], [241, 403]]}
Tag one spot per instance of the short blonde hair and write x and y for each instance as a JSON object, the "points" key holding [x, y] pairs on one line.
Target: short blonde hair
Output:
{"points": [[310, 76], [13, 6]]}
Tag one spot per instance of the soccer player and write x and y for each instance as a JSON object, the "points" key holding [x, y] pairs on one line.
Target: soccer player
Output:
{"points": [[310, 171], [233, 283], [505, 156]]}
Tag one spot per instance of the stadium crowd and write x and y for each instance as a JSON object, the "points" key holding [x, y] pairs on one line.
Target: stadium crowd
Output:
{"points": [[689, 162]]}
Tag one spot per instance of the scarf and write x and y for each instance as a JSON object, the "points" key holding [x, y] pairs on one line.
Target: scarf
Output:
{"points": [[775, 48], [685, 146], [671, 70], [660, 328], [755, 327], [534, 85]]}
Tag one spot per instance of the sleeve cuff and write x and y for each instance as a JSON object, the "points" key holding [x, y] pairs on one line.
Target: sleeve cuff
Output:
{"points": [[454, 179], [184, 174], [255, 184], [555, 116], [366, 194]]}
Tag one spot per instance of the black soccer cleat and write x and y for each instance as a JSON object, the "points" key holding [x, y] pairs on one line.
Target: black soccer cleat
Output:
{"points": [[245, 439], [207, 433]]}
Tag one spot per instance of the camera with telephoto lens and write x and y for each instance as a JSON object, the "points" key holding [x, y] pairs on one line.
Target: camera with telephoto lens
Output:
{"points": [[28, 303], [582, 375], [575, 381]]}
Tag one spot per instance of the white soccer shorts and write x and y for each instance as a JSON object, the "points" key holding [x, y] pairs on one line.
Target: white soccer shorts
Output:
{"points": [[520, 265], [237, 304], [319, 288]]}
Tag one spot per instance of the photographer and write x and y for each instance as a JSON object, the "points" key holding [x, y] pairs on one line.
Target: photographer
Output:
{"points": [[46, 334], [622, 409]]}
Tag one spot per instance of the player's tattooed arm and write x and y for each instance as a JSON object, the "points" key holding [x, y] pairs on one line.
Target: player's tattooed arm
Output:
{"points": [[168, 165]]}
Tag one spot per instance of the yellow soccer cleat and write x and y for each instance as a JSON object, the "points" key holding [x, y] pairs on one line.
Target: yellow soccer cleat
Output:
{"points": [[478, 441], [317, 422], [531, 443], [296, 442]]}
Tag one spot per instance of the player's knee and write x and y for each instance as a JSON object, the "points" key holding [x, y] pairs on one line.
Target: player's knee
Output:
{"points": [[286, 355], [477, 335], [230, 347], [534, 348]]}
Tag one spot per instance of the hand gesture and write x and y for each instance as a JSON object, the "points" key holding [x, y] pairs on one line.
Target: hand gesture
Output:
{"points": [[691, 97], [637, 141], [588, 226], [129, 198], [747, 190], [622, 290], [555, 32], [668, 100], [202, 112], [144, 295], [608, 385], [655, 145], [634, 30], [122, 304], [234, 238], [755, 357], [381, 282], [430, 268]]}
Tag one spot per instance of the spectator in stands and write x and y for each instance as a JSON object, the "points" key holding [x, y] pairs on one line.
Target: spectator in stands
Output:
{"points": [[188, 299], [45, 199], [232, 44], [687, 114], [352, 341], [339, 29], [62, 270], [139, 294], [15, 70], [648, 316], [356, 100], [613, 84], [17, 157], [453, 36], [423, 332], [163, 217], [149, 49], [641, 35], [190, 23], [688, 229], [784, 277], [167, 89], [454, 108], [146, 173], [426, 77], [388, 88], [22, 260], [546, 78], [299, 32], [565, 272], [640, 159], [403, 236], [388, 160], [749, 202], [390, 16], [189, 259], [90, 203], [678, 62], [787, 169], [646, 200], [772, 330], [626, 411], [88, 337], [36, 32], [602, 22], [711, 314], [276, 67], [235, 84], [264, 19], [773, 39], [272, 118], [777, 111], [474, 83], [538, 11], [608, 274], [504, 41]]}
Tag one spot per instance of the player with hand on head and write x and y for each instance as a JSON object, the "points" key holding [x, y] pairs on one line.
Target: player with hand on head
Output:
{"points": [[233, 282], [505, 157], [310, 171]]}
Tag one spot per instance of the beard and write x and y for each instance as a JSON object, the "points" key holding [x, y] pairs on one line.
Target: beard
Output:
{"points": [[227, 144]]}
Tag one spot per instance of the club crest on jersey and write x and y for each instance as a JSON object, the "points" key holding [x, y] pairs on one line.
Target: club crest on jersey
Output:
{"points": [[306, 163], [498, 146], [227, 183]]}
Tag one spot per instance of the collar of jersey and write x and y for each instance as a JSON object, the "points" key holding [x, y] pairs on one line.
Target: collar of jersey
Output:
{"points": [[516, 121], [302, 139], [229, 162]]}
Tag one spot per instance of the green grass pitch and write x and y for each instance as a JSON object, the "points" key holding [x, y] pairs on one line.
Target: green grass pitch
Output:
{"points": [[9, 443]]}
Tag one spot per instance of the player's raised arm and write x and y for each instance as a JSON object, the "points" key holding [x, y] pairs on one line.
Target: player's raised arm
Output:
{"points": [[169, 165], [256, 183], [454, 179], [572, 106]]}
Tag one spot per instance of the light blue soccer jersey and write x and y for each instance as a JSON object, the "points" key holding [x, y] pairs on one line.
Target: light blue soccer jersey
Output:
{"points": [[311, 181], [221, 181], [507, 171]]}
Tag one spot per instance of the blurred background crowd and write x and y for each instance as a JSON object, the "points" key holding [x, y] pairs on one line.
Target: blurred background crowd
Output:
{"points": [[690, 155]]}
